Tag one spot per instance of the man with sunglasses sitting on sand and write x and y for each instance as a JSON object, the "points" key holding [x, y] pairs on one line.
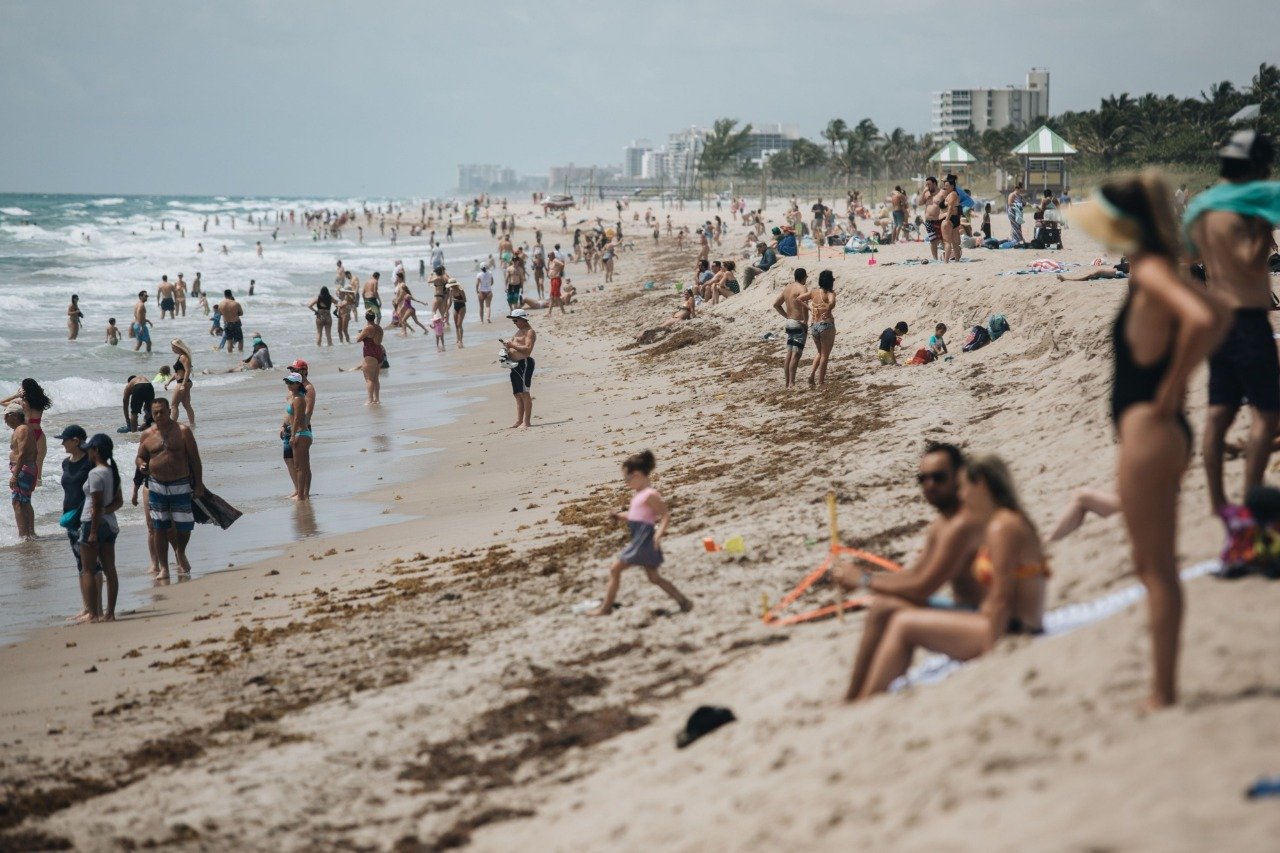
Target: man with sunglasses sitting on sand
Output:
{"points": [[950, 545]]}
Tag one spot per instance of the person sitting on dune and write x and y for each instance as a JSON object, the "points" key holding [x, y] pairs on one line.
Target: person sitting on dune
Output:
{"points": [[950, 544], [687, 311], [1010, 565]]}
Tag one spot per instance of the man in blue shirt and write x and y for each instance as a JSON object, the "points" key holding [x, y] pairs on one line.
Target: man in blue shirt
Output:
{"points": [[786, 241]]}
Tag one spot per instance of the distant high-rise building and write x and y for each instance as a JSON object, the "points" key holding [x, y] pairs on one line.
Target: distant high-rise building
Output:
{"points": [[484, 177], [768, 139], [955, 110], [633, 158]]}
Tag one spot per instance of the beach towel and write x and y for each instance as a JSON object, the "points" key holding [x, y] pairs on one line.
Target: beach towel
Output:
{"points": [[211, 509], [1255, 198], [1058, 621], [966, 200]]}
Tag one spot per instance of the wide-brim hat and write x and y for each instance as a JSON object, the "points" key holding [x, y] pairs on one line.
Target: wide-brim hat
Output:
{"points": [[1106, 223]]}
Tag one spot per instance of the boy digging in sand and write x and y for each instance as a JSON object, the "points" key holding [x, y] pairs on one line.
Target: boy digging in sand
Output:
{"points": [[647, 517]]}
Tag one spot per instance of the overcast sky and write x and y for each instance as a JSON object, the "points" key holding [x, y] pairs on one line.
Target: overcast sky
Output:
{"points": [[311, 97]]}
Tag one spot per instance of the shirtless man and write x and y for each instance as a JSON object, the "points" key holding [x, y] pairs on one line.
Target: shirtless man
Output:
{"points": [[141, 325], [929, 198], [369, 293], [898, 205], [520, 351], [950, 545], [556, 271], [484, 294], [22, 470], [168, 455], [180, 295], [164, 298], [704, 246], [504, 249], [439, 281], [138, 394], [795, 312], [1234, 248], [232, 316]]}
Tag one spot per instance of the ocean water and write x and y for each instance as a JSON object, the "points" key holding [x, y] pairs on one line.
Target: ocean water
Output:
{"points": [[106, 249]]}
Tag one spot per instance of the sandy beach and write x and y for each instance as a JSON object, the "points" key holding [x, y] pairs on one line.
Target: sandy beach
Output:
{"points": [[428, 685]]}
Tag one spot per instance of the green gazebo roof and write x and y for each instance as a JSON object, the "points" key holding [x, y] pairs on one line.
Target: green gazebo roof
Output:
{"points": [[953, 152], [1044, 142]]}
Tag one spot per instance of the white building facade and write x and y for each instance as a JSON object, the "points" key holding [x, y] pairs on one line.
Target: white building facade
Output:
{"points": [[955, 110]]}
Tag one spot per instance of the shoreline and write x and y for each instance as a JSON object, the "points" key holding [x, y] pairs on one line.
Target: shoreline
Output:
{"points": [[433, 687]]}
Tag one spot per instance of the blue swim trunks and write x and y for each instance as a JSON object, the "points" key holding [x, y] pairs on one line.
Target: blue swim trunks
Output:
{"points": [[169, 505], [142, 332]]}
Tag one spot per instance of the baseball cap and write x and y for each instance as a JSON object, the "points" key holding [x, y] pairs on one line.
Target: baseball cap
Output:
{"points": [[519, 314], [100, 440], [1247, 145], [72, 431], [14, 409], [298, 364], [293, 378]]}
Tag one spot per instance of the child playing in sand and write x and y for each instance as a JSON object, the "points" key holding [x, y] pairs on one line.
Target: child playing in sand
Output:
{"points": [[891, 340], [647, 518], [113, 333], [936, 343], [437, 326]]}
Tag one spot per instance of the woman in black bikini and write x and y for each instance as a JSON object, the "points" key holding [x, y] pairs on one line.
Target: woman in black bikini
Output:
{"points": [[1166, 328], [951, 220], [182, 376], [458, 298], [322, 305]]}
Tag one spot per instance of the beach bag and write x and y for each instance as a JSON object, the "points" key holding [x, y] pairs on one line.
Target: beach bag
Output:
{"points": [[71, 518], [211, 509], [924, 355], [997, 326], [977, 338]]}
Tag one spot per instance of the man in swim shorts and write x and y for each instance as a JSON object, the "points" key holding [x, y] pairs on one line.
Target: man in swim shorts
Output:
{"points": [[1234, 246], [168, 455], [788, 304], [950, 544], [138, 394], [164, 298], [232, 327], [22, 470], [141, 326], [520, 352], [369, 293], [555, 271], [931, 199]]}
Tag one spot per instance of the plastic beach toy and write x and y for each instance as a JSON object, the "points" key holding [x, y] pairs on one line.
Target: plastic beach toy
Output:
{"points": [[710, 544], [735, 545]]}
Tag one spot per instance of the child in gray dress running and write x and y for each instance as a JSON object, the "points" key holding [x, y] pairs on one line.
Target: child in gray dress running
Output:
{"points": [[647, 518]]}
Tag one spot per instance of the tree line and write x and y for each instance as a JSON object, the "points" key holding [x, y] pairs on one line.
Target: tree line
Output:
{"points": [[1123, 132]]}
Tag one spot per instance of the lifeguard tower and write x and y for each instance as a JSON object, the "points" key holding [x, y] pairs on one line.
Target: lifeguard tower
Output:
{"points": [[954, 159], [1046, 159]]}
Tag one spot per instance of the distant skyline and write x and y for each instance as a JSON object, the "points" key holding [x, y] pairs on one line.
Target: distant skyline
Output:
{"points": [[294, 97]]}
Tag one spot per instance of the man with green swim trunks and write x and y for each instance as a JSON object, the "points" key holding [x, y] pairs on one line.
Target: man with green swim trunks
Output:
{"points": [[372, 302]]}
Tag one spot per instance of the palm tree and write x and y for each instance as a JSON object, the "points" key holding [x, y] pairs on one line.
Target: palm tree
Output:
{"points": [[723, 148], [835, 133]]}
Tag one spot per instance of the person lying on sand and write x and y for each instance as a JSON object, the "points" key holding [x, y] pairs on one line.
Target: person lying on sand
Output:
{"points": [[950, 544], [1010, 565], [647, 517], [1120, 270], [687, 311]]}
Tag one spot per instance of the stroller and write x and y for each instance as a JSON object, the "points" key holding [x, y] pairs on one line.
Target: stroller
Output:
{"points": [[1049, 231]]}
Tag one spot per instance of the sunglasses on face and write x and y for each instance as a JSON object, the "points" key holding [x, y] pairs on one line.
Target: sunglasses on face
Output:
{"points": [[938, 477]]}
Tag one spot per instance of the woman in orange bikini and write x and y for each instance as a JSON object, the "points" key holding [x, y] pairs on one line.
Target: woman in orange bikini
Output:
{"points": [[1010, 565]]}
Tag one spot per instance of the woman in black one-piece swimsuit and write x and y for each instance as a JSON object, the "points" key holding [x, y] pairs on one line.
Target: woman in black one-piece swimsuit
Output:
{"points": [[1166, 328]]}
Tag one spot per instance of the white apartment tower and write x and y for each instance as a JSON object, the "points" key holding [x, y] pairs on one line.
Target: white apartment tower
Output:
{"points": [[955, 110]]}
